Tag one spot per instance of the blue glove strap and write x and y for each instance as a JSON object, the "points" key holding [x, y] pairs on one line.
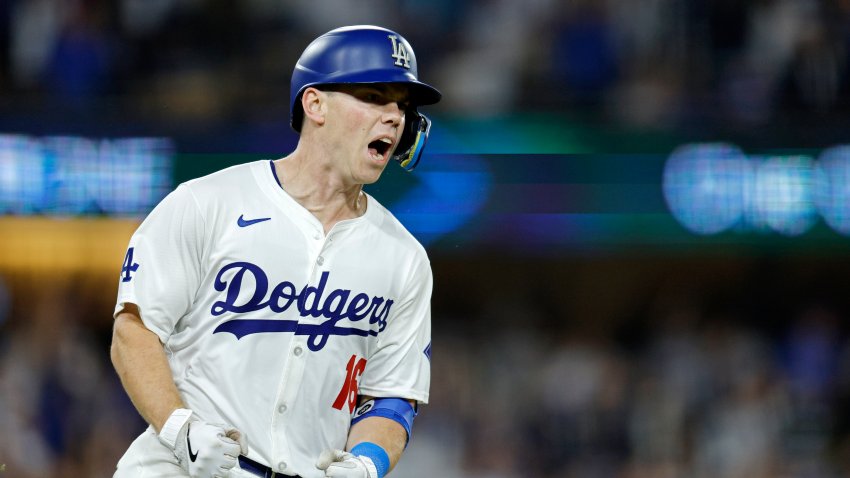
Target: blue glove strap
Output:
{"points": [[377, 454]]}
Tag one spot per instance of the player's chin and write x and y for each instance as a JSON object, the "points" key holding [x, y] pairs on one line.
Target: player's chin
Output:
{"points": [[373, 169], [369, 177]]}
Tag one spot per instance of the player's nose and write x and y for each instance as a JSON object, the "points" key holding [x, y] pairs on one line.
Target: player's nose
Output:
{"points": [[392, 113]]}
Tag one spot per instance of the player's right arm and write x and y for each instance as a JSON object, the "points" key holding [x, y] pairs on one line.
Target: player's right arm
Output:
{"points": [[159, 277], [140, 361]]}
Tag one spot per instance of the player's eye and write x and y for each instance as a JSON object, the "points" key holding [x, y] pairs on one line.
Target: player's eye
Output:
{"points": [[371, 97]]}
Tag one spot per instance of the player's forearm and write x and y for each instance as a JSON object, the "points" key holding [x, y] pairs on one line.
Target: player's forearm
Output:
{"points": [[141, 364], [383, 432]]}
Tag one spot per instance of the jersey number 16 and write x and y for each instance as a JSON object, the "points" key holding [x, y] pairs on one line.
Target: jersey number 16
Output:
{"points": [[348, 394]]}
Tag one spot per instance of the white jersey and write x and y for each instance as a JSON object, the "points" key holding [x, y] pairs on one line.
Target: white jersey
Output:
{"points": [[272, 326]]}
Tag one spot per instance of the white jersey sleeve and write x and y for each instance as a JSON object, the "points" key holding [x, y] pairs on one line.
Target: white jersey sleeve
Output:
{"points": [[162, 267]]}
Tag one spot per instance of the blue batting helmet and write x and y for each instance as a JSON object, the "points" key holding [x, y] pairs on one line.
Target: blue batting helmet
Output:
{"points": [[366, 54]]}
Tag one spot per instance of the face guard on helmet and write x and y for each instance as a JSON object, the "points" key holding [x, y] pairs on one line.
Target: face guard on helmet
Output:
{"points": [[367, 54]]}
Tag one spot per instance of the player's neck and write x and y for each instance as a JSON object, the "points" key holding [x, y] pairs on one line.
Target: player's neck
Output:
{"points": [[326, 197]]}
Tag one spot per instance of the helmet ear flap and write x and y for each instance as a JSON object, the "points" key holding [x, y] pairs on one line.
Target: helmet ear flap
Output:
{"points": [[412, 143]]}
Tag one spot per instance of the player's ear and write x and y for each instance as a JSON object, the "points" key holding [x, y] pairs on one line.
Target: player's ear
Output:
{"points": [[313, 102]]}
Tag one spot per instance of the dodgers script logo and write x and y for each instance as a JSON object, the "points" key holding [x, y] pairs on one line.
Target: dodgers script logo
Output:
{"points": [[310, 301]]}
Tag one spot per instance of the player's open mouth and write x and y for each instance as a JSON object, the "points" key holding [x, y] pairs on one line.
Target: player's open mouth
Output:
{"points": [[379, 149]]}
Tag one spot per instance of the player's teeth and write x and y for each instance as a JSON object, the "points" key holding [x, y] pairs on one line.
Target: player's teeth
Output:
{"points": [[386, 140]]}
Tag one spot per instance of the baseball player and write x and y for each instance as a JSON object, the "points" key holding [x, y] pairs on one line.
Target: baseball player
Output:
{"points": [[272, 318]]}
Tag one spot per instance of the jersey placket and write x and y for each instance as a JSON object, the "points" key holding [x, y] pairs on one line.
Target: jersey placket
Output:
{"points": [[297, 355]]}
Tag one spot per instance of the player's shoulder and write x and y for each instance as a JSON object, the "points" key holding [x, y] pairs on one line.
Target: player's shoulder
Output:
{"points": [[226, 184], [232, 177], [393, 229], [218, 191]]}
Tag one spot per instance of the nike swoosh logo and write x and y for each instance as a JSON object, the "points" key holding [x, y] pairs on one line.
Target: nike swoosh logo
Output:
{"points": [[242, 222], [192, 456]]}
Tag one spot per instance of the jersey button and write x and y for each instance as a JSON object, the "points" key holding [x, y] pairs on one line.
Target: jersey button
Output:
{"points": [[281, 409], [281, 466], [320, 260], [297, 351]]}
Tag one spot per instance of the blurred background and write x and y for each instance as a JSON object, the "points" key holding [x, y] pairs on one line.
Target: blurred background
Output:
{"points": [[637, 213]]}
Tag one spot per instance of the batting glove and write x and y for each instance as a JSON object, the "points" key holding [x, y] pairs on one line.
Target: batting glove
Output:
{"points": [[341, 464], [202, 449]]}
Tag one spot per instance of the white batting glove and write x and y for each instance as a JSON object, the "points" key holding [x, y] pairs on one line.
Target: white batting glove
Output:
{"points": [[202, 449], [338, 463]]}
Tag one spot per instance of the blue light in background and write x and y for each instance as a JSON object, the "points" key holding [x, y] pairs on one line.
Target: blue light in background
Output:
{"points": [[703, 185], [832, 194], [783, 196], [711, 187], [72, 163], [23, 178], [451, 190], [70, 175]]}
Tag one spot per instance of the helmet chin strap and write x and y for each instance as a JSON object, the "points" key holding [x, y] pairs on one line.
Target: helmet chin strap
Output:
{"points": [[412, 142]]}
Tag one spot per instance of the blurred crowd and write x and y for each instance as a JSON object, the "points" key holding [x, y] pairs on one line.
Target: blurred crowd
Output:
{"points": [[550, 376], [651, 63], [639, 368], [696, 397], [61, 402]]}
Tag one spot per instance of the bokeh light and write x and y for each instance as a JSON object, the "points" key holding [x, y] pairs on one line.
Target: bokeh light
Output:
{"points": [[832, 194], [783, 196], [703, 185], [22, 176], [71, 175]]}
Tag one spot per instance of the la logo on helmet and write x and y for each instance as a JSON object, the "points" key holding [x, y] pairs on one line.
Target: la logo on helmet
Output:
{"points": [[402, 57]]}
